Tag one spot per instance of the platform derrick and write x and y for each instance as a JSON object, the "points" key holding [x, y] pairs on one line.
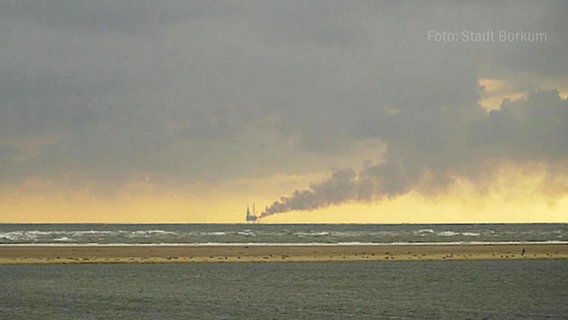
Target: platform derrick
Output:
{"points": [[251, 216]]}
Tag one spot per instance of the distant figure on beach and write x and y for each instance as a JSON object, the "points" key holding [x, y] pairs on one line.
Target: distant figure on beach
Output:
{"points": [[523, 252]]}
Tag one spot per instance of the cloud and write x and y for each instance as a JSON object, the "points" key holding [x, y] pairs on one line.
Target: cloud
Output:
{"points": [[535, 129], [111, 16], [8, 154], [187, 91]]}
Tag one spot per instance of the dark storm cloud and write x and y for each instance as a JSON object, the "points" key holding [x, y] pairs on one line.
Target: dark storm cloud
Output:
{"points": [[109, 15], [180, 91], [543, 59], [533, 129]]}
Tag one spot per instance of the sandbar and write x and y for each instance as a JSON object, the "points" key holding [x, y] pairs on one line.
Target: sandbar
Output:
{"points": [[267, 253]]}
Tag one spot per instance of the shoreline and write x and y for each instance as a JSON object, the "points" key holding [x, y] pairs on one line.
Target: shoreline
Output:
{"points": [[77, 254], [284, 244]]}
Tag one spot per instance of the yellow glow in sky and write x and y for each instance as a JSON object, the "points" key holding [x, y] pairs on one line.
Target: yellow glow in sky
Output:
{"points": [[515, 196], [496, 90]]}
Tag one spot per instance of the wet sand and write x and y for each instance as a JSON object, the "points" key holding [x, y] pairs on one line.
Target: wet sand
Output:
{"points": [[328, 253]]}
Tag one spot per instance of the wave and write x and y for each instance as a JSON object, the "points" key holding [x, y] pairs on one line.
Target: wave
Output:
{"points": [[447, 233], [292, 244], [152, 232], [214, 233], [471, 234], [312, 234], [141, 234], [246, 233]]}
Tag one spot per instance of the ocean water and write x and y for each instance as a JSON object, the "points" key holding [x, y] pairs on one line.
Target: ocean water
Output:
{"points": [[520, 289], [199, 234]]}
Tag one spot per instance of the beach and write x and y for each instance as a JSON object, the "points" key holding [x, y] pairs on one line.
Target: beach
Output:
{"points": [[78, 254]]}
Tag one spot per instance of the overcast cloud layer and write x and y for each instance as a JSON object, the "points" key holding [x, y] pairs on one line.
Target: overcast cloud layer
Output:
{"points": [[108, 92]]}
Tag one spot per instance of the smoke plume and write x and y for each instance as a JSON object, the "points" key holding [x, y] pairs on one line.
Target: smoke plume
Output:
{"points": [[345, 186], [446, 147]]}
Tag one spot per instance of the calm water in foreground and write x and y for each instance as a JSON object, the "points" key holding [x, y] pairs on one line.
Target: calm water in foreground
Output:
{"points": [[396, 290]]}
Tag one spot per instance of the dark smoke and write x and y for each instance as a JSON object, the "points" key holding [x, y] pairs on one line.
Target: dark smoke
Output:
{"points": [[345, 186], [434, 151]]}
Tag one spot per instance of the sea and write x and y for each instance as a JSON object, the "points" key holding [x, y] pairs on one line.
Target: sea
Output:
{"points": [[278, 234], [516, 289]]}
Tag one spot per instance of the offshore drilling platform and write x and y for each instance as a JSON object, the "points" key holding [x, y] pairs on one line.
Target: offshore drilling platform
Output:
{"points": [[251, 217]]}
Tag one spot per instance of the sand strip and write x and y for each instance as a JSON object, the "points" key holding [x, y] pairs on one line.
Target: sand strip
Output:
{"points": [[185, 254]]}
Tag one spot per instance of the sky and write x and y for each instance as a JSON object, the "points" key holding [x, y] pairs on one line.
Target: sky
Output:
{"points": [[315, 111]]}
